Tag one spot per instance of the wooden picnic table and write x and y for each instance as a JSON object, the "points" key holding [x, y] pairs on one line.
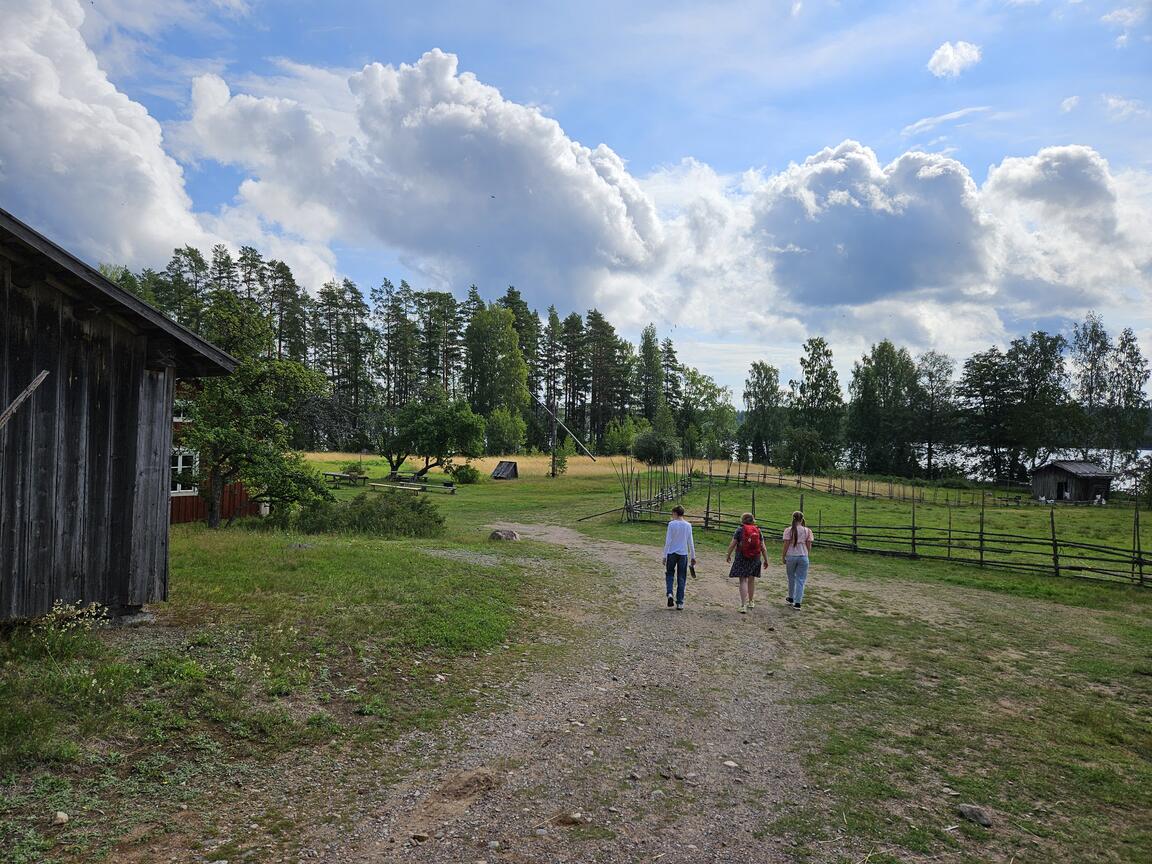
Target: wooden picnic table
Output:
{"points": [[338, 477]]}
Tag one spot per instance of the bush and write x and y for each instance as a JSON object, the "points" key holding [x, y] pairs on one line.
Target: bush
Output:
{"points": [[655, 449], [506, 430], [353, 468], [955, 483], [384, 514], [465, 474]]}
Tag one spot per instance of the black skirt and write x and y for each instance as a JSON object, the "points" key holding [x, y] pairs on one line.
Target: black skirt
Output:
{"points": [[744, 568]]}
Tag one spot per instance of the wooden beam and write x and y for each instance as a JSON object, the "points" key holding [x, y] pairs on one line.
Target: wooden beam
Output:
{"points": [[11, 409]]}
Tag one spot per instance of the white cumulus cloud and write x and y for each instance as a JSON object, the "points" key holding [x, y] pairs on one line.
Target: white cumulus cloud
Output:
{"points": [[428, 163], [952, 58]]}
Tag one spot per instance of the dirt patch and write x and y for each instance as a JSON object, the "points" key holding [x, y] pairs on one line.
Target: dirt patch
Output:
{"points": [[664, 736]]}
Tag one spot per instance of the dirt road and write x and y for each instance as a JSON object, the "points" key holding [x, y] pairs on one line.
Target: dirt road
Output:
{"points": [[667, 736]]}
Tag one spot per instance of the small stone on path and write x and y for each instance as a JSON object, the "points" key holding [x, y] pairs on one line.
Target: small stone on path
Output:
{"points": [[975, 814], [730, 764], [503, 534]]}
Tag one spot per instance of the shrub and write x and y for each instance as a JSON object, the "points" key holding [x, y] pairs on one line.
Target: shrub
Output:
{"points": [[353, 468], [954, 483], [655, 449], [465, 474], [385, 514]]}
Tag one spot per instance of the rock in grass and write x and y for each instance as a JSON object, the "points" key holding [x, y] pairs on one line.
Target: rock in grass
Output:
{"points": [[975, 814], [503, 534], [61, 818]]}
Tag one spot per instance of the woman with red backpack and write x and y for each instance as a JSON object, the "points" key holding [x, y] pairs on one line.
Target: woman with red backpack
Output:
{"points": [[751, 553]]}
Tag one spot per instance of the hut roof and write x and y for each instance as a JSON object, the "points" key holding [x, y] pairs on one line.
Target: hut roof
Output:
{"points": [[1080, 469], [191, 355]]}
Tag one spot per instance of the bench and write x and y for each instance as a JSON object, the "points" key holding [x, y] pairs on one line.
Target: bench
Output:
{"points": [[407, 486]]}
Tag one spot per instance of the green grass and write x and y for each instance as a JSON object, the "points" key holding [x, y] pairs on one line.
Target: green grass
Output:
{"points": [[270, 645], [1025, 693], [1041, 713]]}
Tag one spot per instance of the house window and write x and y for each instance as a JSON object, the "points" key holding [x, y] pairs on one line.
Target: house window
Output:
{"points": [[180, 409], [183, 461]]}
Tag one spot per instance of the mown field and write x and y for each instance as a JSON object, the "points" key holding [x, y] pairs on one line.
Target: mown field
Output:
{"points": [[280, 656]]}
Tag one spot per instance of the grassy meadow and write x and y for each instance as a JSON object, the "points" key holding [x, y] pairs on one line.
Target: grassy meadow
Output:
{"points": [[274, 653], [921, 683]]}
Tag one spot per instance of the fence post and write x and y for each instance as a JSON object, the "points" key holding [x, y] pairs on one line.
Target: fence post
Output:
{"points": [[1137, 550], [981, 529], [1055, 544], [949, 530], [819, 524], [801, 502], [914, 528], [855, 537], [753, 503], [708, 507], [719, 512]]}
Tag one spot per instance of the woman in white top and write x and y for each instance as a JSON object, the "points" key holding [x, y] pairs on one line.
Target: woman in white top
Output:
{"points": [[678, 551], [797, 545]]}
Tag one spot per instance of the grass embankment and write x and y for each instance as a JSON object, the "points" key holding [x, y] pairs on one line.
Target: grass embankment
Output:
{"points": [[276, 655]]}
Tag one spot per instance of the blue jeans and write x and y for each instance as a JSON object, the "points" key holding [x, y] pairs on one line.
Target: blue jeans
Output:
{"points": [[677, 564], [797, 567]]}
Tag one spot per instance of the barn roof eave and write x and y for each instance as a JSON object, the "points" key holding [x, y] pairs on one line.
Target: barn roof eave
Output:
{"points": [[194, 356]]}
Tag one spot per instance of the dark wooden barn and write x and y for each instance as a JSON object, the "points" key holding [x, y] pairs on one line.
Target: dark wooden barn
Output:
{"points": [[1064, 480], [85, 459]]}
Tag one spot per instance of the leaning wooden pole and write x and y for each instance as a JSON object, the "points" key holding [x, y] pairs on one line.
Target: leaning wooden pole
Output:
{"points": [[24, 394], [1055, 543]]}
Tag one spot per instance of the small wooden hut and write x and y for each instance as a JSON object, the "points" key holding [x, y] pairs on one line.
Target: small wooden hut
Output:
{"points": [[85, 460], [1065, 480], [505, 470]]}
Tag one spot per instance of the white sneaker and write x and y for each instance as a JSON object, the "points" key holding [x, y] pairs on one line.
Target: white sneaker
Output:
{"points": [[743, 608], [751, 604]]}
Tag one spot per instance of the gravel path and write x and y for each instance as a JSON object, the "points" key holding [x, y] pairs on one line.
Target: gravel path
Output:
{"points": [[664, 737]]}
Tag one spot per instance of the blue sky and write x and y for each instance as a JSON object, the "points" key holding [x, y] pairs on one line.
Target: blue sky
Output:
{"points": [[943, 174]]}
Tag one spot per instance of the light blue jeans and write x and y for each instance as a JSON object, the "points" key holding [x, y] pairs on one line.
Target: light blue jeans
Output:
{"points": [[797, 567]]}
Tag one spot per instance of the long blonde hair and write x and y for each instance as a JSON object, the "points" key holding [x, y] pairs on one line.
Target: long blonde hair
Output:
{"points": [[797, 520]]}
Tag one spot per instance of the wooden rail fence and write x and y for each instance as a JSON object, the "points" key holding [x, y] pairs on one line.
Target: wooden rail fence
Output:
{"points": [[982, 548]]}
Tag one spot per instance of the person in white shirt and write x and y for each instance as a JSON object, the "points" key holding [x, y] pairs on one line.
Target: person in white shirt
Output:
{"points": [[679, 550]]}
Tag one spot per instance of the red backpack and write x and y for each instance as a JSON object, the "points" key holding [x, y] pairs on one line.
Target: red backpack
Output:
{"points": [[750, 542]]}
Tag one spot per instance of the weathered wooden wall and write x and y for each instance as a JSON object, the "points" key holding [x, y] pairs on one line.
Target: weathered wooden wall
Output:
{"points": [[84, 463]]}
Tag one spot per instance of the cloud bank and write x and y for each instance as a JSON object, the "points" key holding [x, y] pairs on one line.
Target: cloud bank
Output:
{"points": [[433, 165]]}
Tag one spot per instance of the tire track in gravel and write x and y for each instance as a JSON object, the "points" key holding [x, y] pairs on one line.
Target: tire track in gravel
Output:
{"points": [[670, 734]]}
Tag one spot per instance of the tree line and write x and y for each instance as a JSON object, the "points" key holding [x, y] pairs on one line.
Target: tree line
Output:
{"points": [[410, 373]]}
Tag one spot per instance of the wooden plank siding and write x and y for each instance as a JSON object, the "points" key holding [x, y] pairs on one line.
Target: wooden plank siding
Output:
{"points": [[84, 462]]}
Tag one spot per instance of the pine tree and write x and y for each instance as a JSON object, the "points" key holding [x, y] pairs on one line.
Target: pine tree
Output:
{"points": [[223, 274], [574, 341], [286, 307], [671, 376], [650, 369]]}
